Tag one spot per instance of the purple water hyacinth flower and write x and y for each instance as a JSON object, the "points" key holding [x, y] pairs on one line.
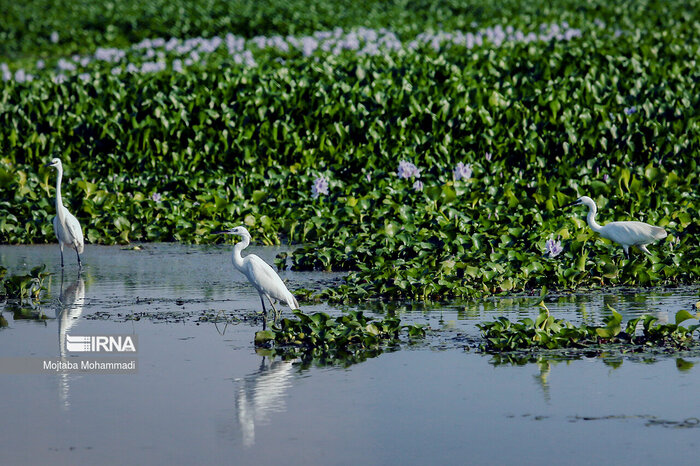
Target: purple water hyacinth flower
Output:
{"points": [[368, 177], [408, 170], [6, 73], [463, 171], [54, 37], [20, 75], [319, 187], [488, 156], [65, 65], [630, 110], [418, 185], [156, 197], [553, 248], [606, 177]]}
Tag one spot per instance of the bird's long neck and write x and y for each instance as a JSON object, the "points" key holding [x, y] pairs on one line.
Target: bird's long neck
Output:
{"points": [[592, 210], [237, 248], [59, 200]]}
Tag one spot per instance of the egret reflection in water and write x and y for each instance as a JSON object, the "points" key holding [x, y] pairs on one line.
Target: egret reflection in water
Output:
{"points": [[68, 311], [261, 394]]}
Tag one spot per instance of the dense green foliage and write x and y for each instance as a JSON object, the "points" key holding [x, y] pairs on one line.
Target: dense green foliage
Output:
{"points": [[21, 288], [547, 332], [172, 156], [22, 293], [83, 26], [345, 337]]}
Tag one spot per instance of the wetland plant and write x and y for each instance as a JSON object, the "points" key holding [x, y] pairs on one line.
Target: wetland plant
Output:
{"points": [[320, 334], [25, 287], [547, 332]]}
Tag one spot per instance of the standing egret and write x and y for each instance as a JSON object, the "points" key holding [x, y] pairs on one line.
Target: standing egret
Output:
{"points": [[65, 225], [626, 234], [260, 274]]}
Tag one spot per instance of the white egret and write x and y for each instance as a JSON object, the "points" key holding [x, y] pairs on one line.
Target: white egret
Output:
{"points": [[260, 274], [626, 233], [66, 226]]}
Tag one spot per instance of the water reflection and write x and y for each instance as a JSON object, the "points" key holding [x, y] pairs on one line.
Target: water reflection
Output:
{"points": [[68, 312], [612, 359], [260, 394]]}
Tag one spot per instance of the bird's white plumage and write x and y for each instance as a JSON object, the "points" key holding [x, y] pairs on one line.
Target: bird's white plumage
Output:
{"points": [[68, 232], [624, 233], [65, 225], [632, 233], [259, 273], [266, 280]]}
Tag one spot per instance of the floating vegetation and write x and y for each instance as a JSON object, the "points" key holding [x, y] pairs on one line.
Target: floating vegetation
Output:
{"points": [[23, 288], [428, 161], [344, 338], [548, 333], [22, 293]]}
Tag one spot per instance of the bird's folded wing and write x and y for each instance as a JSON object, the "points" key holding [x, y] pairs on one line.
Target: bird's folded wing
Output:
{"points": [[74, 229], [264, 276]]}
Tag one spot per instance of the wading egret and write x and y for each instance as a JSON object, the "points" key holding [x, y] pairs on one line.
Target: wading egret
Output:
{"points": [[626, 233], [260, 274], [65, 225]]}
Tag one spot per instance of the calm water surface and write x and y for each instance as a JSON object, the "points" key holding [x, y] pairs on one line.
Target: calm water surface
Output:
{"points": [[202, 394]]}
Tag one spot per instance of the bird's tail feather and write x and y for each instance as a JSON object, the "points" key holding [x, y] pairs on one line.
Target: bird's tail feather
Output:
{"points": [[658, 232]]}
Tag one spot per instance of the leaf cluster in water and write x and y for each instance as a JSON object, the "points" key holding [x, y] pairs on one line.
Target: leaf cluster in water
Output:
{"points": [[326, 337], [548, 332]]}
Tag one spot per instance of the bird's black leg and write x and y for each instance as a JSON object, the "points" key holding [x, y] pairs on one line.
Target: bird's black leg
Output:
{"points": [[274, 309], [61, 257], [80, 264], [60, 296], [264, 312], [627, 253]]}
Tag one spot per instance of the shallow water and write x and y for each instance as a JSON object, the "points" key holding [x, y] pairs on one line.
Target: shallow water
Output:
{"points": [[202, 394]]}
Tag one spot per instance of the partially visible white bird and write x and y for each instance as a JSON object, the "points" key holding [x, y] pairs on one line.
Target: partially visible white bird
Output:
{"points": [[66, 226], [260, 274], [626, 234]]}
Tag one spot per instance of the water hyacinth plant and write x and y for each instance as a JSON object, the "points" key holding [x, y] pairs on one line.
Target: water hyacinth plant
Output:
{"points": [[251, 104], [553, 248], [320, 186], [407, 170], [462, 171], [321, 332], [547, 332]]}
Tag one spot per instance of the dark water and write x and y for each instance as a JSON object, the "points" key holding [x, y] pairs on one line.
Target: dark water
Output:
{"points": [[202, 394]]}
